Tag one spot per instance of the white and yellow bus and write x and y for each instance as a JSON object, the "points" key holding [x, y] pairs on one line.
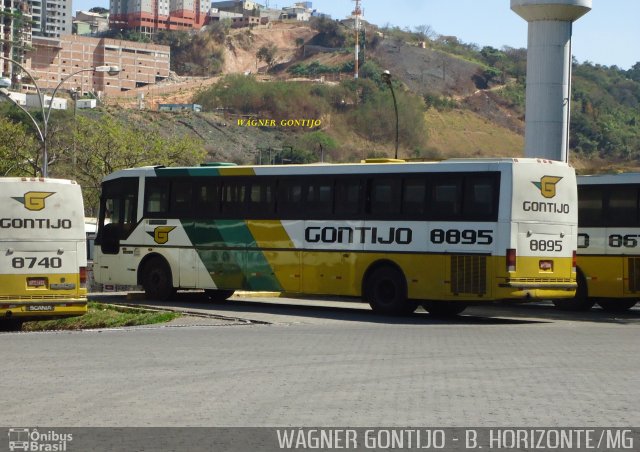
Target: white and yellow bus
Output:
{"points": [[608, 242], [43, 250], [396, 234]]}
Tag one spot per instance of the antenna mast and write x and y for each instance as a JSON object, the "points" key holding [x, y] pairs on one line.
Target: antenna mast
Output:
{"points": [[357, 12]]}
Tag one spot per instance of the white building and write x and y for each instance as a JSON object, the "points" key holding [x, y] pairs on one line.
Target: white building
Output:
{"points": [[57, 103], [51, 18]]}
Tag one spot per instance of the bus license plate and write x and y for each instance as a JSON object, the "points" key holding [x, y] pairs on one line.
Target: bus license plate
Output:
{"points": [[36, 282], [40, 308], [546, 266]]}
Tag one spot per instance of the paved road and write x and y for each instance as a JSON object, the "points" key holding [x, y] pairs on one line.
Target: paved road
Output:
{"points": [[331, 365]]}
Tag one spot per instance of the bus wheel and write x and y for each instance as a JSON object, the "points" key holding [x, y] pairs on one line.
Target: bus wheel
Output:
{"points": [[444, 308], [617, 305], [386, 292], [11, 325], [156, 280], [580, 302], [218, 295]]}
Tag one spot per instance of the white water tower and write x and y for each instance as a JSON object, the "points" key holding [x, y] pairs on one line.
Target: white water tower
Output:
{"points": [[549, 74]]}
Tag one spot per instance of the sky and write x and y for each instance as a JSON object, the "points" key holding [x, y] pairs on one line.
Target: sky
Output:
{"points": [[609, 34]]}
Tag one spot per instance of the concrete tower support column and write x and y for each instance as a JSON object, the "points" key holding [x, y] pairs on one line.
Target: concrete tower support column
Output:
{"points": [[549, 74]]}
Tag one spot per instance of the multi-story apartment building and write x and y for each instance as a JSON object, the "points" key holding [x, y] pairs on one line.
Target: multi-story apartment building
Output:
{"points": [[15, 35], [140, 64], [51, 18], [149, 16]]}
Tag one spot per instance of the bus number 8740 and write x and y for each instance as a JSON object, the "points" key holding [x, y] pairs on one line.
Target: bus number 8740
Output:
{"points": [[30, 262]]}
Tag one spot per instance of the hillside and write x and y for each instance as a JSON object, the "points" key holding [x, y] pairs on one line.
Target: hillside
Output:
{"points": [[474, 97], [282, 36], [226, 141]]}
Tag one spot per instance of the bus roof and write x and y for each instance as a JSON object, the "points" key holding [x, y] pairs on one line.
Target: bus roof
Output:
{"points": [[14, 180], [601, 179], [457, 164]]}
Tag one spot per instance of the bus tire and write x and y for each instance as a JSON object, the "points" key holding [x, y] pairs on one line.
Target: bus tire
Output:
{"points": [[218, 295], [617, 304], [11, 325], [581, 300], [444, 308], [386, 292], [157, 280]]}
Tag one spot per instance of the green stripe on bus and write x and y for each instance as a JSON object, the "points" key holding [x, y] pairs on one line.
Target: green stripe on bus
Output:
{"points": [[222, 247], [184, 172]]}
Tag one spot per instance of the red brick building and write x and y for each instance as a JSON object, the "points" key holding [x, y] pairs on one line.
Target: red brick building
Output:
{"points": [[140, 64], [149, 16]]}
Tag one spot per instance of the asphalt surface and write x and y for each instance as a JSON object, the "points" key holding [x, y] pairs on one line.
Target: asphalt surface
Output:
{"points": [[284, 362]]}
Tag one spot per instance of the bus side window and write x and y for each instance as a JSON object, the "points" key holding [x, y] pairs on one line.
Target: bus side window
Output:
{"points": [[260, 199], [207, 200], [118, 212], [233, 197], [622, 206], [384, 197], [480, 198], [590, 205], [348, 199], [181, 199], [414, 193], [319, 198], [289, 200], [446, 198], [156, 198]]}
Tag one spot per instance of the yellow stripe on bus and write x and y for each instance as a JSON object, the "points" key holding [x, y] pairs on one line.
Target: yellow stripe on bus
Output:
{"points": [[236, 171], [269, 234]]}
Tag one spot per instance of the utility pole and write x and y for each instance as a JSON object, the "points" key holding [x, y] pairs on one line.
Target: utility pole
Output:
{"points": [[356, 15]]}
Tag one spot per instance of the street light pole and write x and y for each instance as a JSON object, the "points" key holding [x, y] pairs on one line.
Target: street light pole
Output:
{"points": [[43, 132], [386, 75]]}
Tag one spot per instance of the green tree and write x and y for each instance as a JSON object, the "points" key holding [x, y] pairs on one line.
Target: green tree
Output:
{"points": [[267, 53], [19, 150], [105, 145], [317, 144]]}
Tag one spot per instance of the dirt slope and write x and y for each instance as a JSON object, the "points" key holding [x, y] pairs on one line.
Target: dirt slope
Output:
{"points": [[283, 36]]}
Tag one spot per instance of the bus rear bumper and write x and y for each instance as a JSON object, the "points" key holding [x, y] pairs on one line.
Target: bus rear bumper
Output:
{"points": [[39, 309], [537, 290]]}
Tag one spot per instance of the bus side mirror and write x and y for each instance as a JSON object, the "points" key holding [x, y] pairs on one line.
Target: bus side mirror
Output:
{"points": [[110, 239]]}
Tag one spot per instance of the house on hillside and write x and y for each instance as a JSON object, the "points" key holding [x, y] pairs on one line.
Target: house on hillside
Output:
{"points": [[95, 23], [297, 12], [216, 15], [236, 6], [180, 107]]}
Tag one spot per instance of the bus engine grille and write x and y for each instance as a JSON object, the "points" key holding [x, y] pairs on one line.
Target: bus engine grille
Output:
{"points": [[469, 274], [634, 274]]}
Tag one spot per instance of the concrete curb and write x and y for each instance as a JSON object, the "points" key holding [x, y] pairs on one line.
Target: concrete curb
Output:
{"points": [[237, 294]]}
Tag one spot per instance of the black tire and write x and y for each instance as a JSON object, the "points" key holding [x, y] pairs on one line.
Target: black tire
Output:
{"points": [[617, 305], [444, 308], [581, 301], [11, 325], [218, 295], [157, 280], [386, 292]]}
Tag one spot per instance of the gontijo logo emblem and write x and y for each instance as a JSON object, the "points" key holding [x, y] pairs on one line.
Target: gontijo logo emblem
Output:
{"points": [[34, 200], [547, 185], [161, 234]]}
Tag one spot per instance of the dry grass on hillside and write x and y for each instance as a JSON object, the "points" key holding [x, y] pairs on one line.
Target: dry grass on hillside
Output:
{"points": [[462, 133]]}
